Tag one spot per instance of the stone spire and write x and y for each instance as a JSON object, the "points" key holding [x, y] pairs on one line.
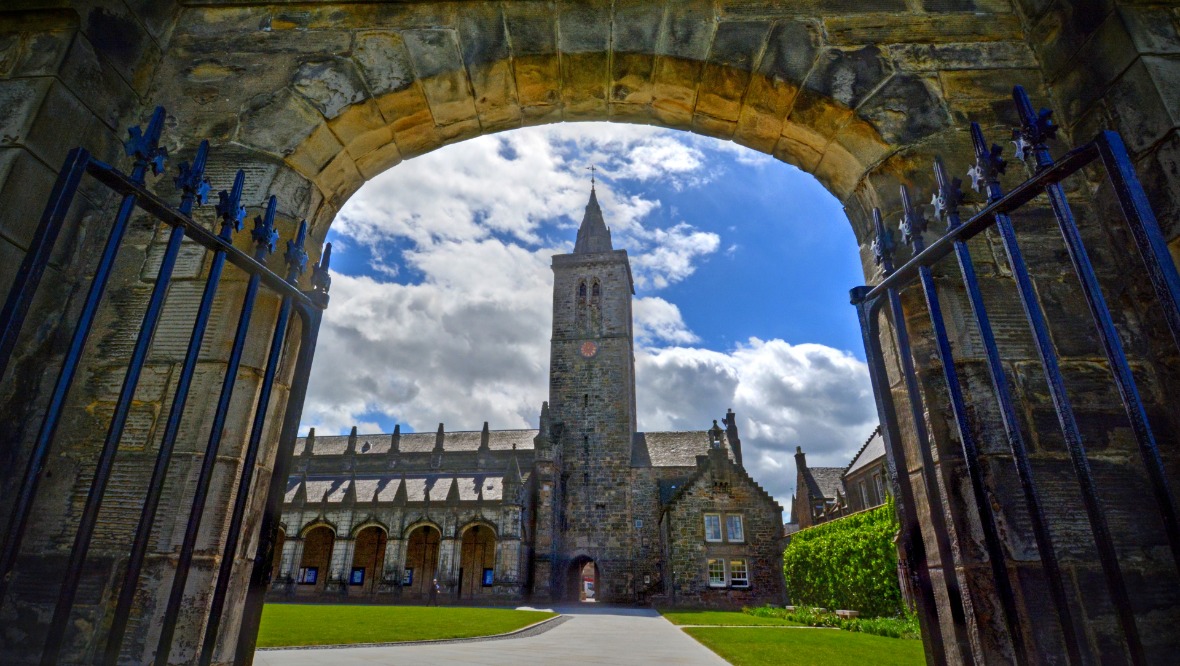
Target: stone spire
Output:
{"points": [[593, 236]]}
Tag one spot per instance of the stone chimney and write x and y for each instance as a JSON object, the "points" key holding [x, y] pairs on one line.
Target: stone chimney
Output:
{"points": [[731, 433], [484, 438]]}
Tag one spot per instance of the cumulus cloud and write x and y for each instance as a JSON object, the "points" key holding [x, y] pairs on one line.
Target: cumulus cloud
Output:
{"points": [[451, 320]]}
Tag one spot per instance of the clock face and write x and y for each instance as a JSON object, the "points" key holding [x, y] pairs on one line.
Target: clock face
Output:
{"points": [[588, 349]]}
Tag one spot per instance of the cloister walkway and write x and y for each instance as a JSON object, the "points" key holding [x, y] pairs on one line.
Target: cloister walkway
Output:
{"points": [[591, 635]]}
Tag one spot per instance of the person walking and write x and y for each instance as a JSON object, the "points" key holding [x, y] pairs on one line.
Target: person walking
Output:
{"points": [[434, 590]]}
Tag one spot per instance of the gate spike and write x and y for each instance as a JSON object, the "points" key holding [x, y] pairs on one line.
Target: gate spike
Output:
{"points": [[144, 145], [191, 181], [988, 164], [264, 233], [321, 281], [230, 208], [883, 244], [913, 222], [296, 256], [949, 196], [1035, 128]]}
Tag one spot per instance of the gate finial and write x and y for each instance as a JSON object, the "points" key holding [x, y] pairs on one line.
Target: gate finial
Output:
{"points": [[1034, 131], [264, 233], [988, 164], [883, 244], [949, 197], [230, 208], [296, 256], [913, 223], [321, 281], [144, 146], [191, 181]]}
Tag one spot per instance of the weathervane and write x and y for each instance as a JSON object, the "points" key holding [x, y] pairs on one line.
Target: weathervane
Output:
{"points": [[592, 169]]}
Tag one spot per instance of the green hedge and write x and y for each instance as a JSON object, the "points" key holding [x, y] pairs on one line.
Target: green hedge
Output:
{"points": [[849, 563]]}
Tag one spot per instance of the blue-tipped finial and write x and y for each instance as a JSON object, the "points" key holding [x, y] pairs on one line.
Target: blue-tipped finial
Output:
{"points": [[988, 163], [191, 181], [913, 222], [321, 281], [144, 146], [949, 197], [264, 233], [296, 256], [230, 208], [1035, 130], [883, 244]]}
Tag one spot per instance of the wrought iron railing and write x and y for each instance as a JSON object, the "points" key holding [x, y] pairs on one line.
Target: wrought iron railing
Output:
{"points": [[308, 306], [1106, 150]]}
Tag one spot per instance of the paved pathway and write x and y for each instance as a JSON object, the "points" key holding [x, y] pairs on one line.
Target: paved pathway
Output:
{"points": [[591, 635]]}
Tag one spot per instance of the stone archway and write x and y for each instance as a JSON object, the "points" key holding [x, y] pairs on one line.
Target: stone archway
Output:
{"points": [[314, 99], [368, 557], [422, 558], [477, 562], [316, 563], [583, 580]]}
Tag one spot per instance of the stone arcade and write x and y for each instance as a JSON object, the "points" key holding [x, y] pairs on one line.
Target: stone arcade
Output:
{"points": [[669, 517]]}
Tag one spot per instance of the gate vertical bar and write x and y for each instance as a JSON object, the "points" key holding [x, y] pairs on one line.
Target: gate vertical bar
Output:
{"points": [[1035, 130], [948, 200], [264, 238], [272, 510], [296, 258], [1144, 227], [106, 459], [231, 213], [32, 267], [913, 226], [985, 176], [144, 146], [910, 543], [883, 248]]}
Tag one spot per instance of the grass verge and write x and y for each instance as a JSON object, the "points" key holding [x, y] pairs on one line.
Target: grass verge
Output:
{"points": [[805, 647], [724, 619], [290, 625]]}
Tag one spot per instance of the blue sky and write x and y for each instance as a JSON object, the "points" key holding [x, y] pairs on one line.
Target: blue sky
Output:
{"points": [[441, 291]]}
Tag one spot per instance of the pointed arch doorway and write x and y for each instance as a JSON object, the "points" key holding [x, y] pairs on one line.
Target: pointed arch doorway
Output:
{"points": [[582, 580]]}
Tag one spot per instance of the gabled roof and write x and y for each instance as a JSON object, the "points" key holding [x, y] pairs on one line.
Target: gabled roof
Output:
{"points": [[823, 482], [872, 450], [703, 467], [671, 449]]}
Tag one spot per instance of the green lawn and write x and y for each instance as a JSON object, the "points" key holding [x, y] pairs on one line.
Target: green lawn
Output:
{"points": [[320, 624], [806, 647], [723, 618]]}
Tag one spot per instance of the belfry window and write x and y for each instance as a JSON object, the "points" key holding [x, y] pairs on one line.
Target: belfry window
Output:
{"points": [[596, 293], [582, 292]]}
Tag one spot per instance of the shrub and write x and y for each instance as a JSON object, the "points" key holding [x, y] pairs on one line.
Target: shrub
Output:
{"points": [[848, 563], [902, 626]]}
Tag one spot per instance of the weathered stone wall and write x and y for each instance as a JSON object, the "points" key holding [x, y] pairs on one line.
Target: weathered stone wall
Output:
{"points": [[720, 486], [313, 99]]}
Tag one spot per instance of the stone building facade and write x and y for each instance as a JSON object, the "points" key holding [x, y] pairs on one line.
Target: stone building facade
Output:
{"points": [[827, 493], [669, 517]]}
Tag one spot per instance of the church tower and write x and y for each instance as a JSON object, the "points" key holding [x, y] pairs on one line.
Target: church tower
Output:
{"points": [[592, 406]]}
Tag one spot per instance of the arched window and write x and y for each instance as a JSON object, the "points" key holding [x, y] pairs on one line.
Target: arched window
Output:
{"points": [[596, 293], [582, 292]]}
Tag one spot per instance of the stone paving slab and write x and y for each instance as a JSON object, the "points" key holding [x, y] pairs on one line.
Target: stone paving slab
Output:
{"points": [[592, 635]]}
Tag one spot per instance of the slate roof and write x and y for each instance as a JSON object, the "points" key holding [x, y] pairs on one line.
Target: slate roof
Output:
{"points": [[671, 449], [824, 481], [420, 442], [418, 487], [872, 451]]}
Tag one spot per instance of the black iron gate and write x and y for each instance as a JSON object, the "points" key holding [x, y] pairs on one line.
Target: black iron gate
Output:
{"points": [[1108, 152], [307, 307]]}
